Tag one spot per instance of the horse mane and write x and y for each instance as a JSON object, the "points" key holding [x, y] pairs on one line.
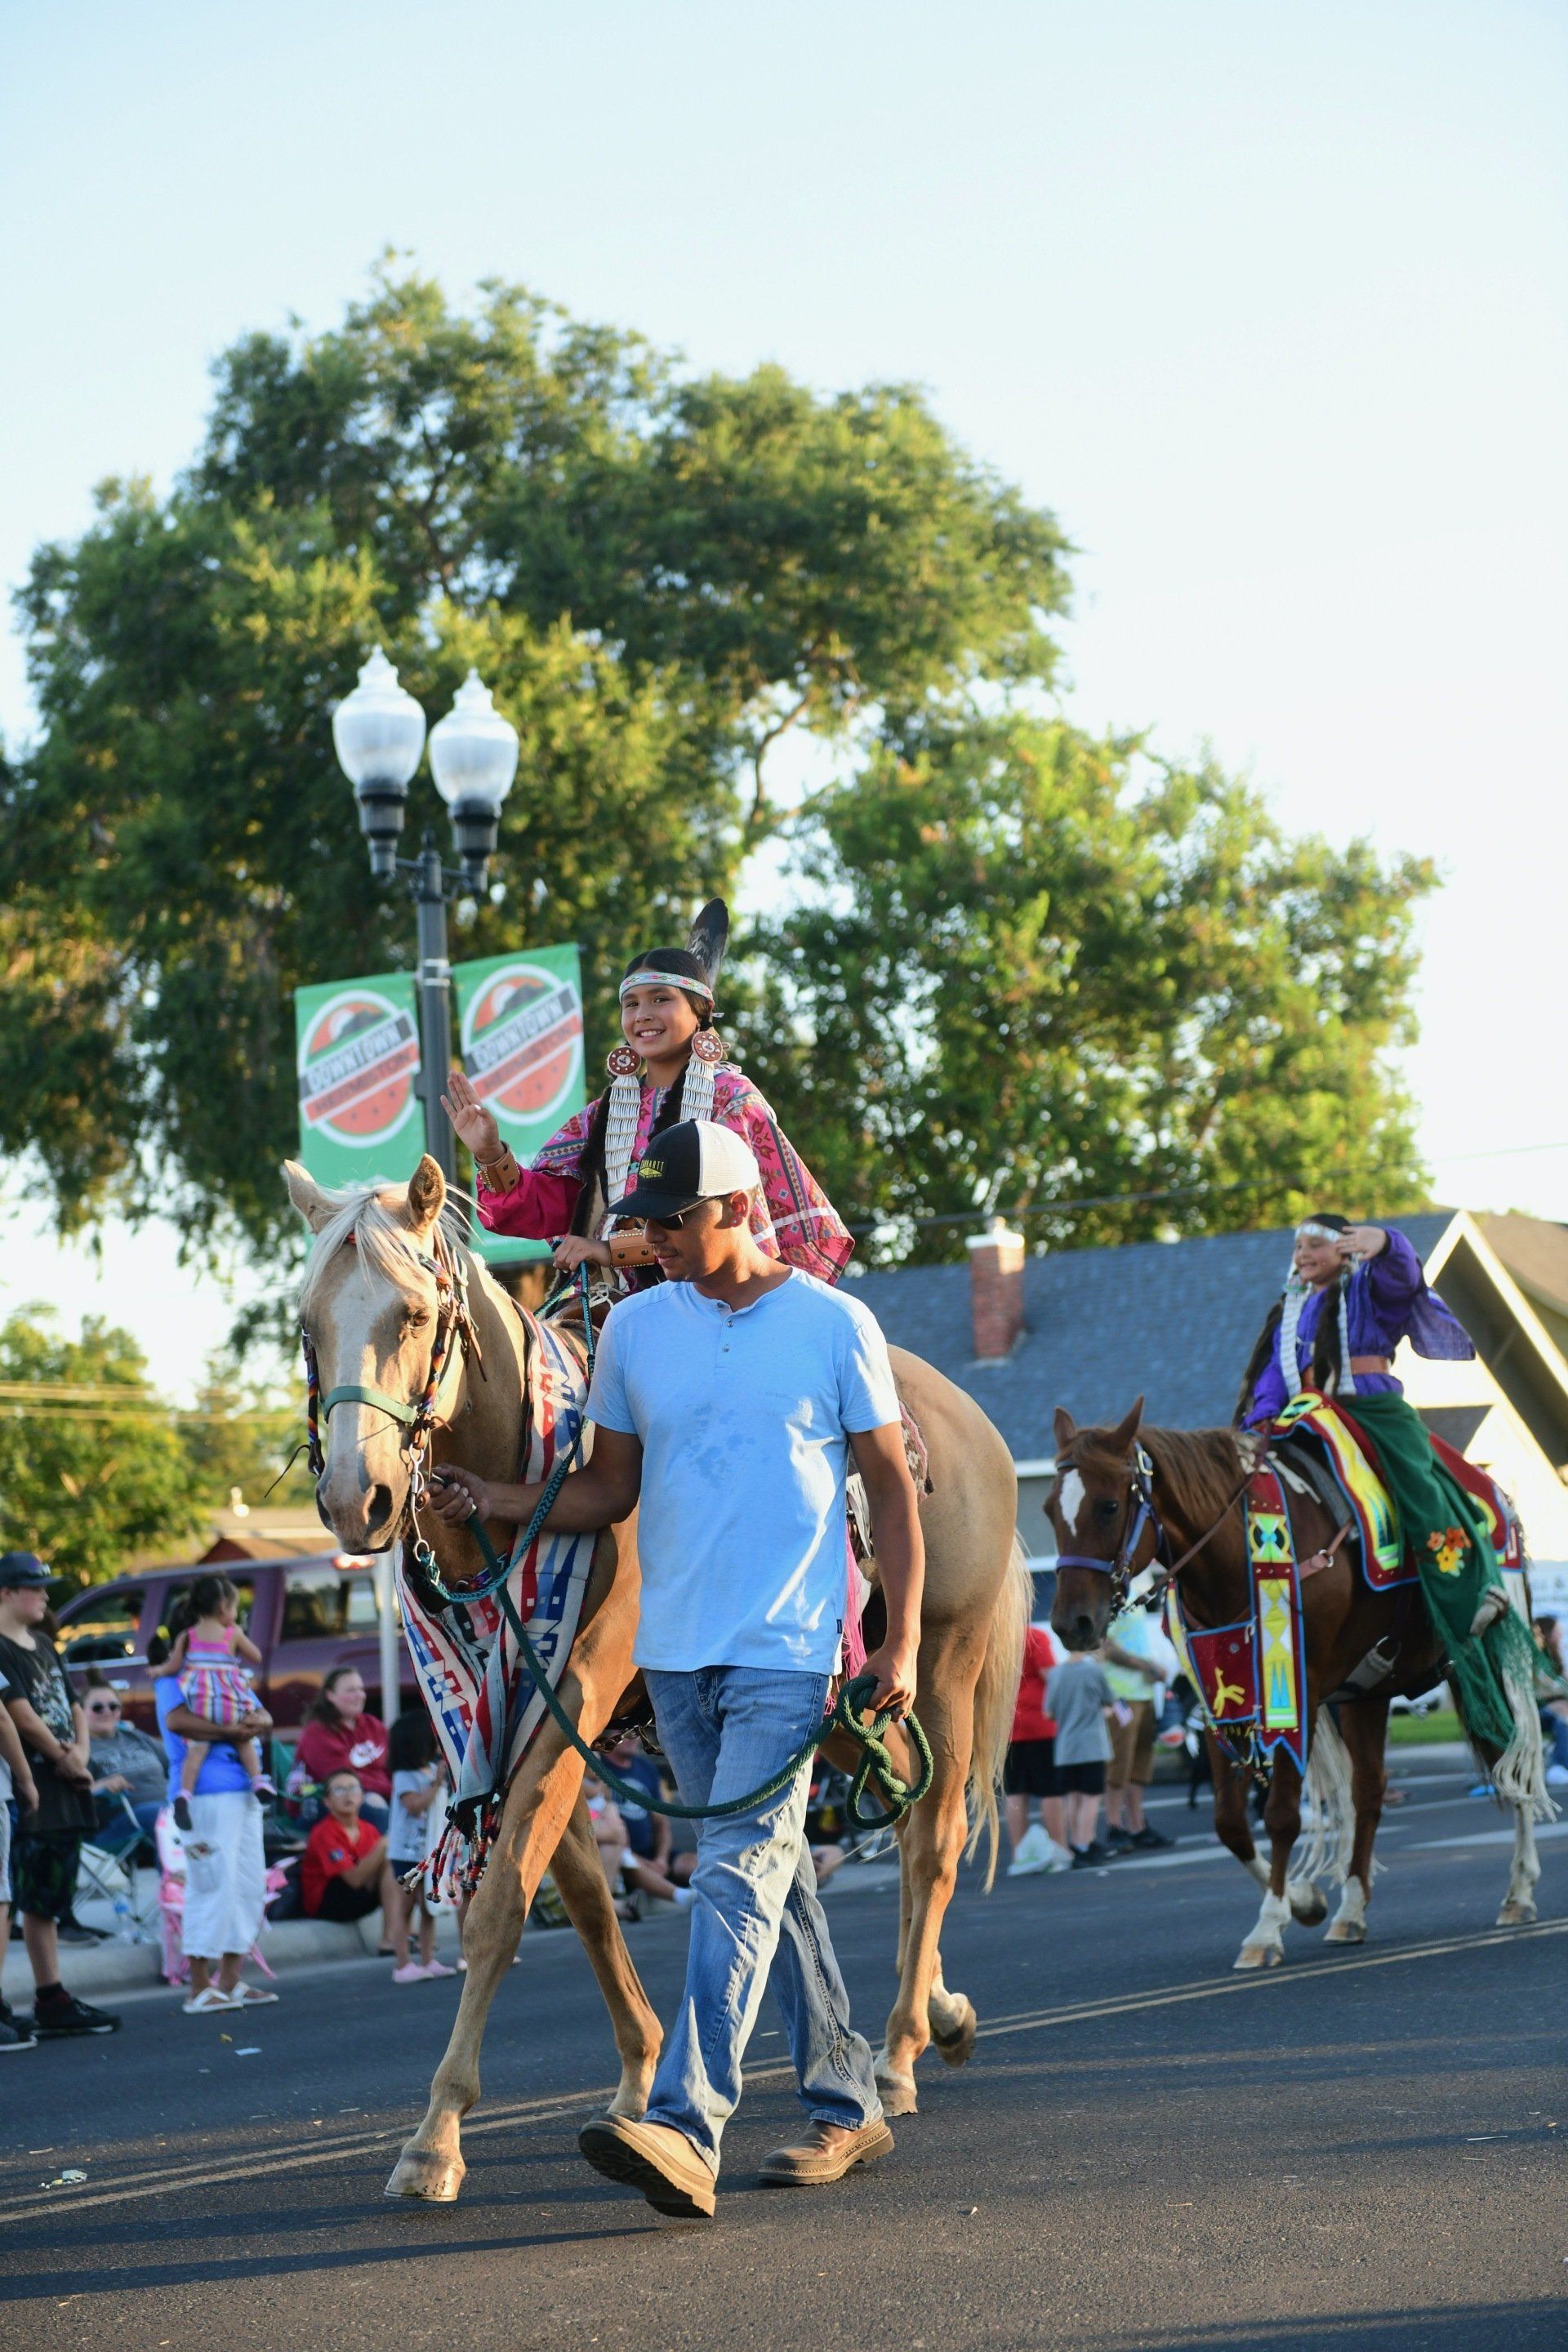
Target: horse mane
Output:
{"points": [[1199, 1466], [386, 1246]]}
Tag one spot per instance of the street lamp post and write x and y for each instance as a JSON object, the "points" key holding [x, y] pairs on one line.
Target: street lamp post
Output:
{"points": [[379, 733]]}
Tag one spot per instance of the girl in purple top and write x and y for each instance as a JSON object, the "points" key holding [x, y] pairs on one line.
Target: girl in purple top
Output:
{"points": [[1353, 1293]]}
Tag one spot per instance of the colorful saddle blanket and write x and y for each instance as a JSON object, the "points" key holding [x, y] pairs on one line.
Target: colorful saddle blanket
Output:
{"points": [[482, 1703], [1352, 1466], [1251, 1676]]}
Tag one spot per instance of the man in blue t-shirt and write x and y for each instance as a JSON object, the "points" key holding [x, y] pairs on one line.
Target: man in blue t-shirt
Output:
{"points": [[726, 1402]]}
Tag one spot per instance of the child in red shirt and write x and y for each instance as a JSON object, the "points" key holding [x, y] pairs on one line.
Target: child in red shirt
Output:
{"points": [[346, 1872]]}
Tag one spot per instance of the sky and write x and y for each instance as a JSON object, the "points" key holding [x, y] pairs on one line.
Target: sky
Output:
{"points": [[1265, 303]]}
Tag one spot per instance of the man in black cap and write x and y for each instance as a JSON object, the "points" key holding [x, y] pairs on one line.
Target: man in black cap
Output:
{"points": [[53, 1732], [726, 1401]]}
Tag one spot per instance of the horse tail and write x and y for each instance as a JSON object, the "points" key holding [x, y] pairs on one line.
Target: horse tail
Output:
{"points": [[995, 1697]]}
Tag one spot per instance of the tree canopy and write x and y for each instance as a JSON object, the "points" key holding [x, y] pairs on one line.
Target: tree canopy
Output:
{"points": [[1022, 973], [1021, 965]]}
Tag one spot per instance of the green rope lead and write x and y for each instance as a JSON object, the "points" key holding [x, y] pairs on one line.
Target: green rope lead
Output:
{"points": [[876, 1760]]}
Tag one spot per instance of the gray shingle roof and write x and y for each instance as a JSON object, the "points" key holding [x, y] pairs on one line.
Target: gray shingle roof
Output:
{"points": [[1175, 1319]]}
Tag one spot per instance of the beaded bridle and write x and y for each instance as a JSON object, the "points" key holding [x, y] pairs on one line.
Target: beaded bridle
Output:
{"points": [[1143, 1516], [454, 1319]]}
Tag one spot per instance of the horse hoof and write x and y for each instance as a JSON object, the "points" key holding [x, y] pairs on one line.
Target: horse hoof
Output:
{"points": [[1516, 1915], [420, 2172], [898, 2094], [955, 2048], [1347, 1931], [1309, 1905], [1258, 1956]]}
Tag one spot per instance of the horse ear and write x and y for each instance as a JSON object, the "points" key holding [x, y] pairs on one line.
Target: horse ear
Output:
{"points": [[307, 1195], [1122, 1436], [1066, 1427], [426, 1194]]}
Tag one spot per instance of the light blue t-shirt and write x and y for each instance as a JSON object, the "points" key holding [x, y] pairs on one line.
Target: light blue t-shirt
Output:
{"points": [[744, 1417], [221, 1767]]}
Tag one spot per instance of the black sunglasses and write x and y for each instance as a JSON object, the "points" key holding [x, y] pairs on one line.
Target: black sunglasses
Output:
{"points": [[103, 1707]]}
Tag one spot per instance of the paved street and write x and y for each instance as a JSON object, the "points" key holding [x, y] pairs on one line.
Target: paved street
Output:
{"points": [[1362, 2150]]}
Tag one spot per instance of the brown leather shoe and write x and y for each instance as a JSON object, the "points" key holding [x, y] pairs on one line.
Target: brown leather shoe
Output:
{"points": [[826, 2153], [654, 2158]]}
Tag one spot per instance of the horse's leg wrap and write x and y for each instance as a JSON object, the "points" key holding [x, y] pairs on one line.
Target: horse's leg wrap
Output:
{"points": [[1348, 1925], [1518, 1903], [1265, 1947]]}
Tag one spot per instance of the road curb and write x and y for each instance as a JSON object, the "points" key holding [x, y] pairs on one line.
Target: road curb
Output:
{"points": [[119, 1967]]}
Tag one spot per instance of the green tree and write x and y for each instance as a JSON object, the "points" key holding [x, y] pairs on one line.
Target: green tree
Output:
{"points": [[92, 1470], [660, 576], [1031, 967], [239, 1438]]}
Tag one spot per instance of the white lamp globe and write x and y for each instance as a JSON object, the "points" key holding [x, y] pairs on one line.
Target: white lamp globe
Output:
{"points": [[379, 733], [473, 750], [379, 728]]}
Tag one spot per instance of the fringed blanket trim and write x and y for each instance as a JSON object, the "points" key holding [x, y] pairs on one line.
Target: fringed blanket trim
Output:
{"points": [[482, 1703]]}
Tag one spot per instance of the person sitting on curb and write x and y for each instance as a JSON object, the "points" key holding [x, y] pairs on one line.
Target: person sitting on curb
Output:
{"points": [[48, 1843], [728, 1398], [346, 1872], [130, 1771]]}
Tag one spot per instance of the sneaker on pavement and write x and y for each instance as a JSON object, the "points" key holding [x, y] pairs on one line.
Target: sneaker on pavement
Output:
{"points": [[826, 2153], [16, 2032], [1148, 1839], [1093, 1856], [409, 1973], [71, 1931], [654, 2158], [435, 1969], [54, 2019], [1119, 1841]]}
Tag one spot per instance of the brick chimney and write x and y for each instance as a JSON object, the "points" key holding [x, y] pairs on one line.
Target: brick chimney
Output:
{"points": [[995, 1291]]}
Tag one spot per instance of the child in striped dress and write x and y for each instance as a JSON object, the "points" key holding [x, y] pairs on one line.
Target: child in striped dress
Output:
{"points": [[207, 1655]]}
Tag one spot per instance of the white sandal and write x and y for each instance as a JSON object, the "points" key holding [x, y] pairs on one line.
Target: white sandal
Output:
{"points": [[205, 2002]]}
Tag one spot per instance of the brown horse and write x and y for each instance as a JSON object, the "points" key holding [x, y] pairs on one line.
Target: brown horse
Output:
{"points": [[1106, 1537], [370, 1305]]}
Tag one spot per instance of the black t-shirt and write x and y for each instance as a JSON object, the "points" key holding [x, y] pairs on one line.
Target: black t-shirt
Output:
{"points": [[37, 1676]]}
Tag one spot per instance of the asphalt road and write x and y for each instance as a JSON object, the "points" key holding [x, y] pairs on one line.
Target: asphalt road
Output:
{"points": [[1361, 2150]]}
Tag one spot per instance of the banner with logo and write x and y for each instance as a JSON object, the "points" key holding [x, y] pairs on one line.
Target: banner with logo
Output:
{"points": [[358, 1058], [519, 1030], [520, 1037]]}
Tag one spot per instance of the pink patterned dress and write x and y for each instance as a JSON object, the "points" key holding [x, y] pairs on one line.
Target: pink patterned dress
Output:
{"points": [[214, 1685], [791, 1218]]}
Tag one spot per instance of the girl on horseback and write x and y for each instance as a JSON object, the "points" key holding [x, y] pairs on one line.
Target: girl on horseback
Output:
{"points": [[1353, 1293], [671, 1067]]}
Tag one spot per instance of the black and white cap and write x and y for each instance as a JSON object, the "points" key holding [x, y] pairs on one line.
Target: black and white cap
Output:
{"points": [[694, 1161]]}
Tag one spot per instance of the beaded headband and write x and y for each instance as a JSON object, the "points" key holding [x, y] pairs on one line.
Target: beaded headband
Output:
{"points": [[686, 982]]}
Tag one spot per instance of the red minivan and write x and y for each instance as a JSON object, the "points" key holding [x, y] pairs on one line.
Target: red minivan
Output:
{"points": [[305, 1616]]}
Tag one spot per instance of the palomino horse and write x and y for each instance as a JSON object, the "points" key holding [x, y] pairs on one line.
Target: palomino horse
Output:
{"points": [[370, 1307], [1106, 1536]]}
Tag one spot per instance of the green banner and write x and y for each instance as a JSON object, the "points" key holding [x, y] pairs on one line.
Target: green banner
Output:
{"points": [[520, 1028], [520, 1031], [357, 1052]]}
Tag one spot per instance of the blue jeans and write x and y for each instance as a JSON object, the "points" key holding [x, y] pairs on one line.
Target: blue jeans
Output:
{"points": [[724, 1730]]}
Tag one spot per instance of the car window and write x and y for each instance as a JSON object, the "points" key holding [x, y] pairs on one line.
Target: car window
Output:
{"points": [[322, 1603], [105, 1627]]}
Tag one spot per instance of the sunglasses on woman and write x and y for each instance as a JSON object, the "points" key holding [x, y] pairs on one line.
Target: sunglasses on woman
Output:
{"points": [[103, 1707]]}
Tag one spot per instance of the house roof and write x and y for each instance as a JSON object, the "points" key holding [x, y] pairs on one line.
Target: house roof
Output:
{"points": [[1175, 1319], [1535, 1251]]}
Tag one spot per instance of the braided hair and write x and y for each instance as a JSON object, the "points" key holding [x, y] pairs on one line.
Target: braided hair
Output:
{"points": [[680, 964], [1328, 1366]]}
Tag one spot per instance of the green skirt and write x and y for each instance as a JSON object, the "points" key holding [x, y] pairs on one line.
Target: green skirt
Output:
{"points": [[1443, 1536]]}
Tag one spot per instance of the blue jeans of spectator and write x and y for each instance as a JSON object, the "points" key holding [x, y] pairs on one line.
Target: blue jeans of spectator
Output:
{"points": [[1555, 1727], [725, 1729]]}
